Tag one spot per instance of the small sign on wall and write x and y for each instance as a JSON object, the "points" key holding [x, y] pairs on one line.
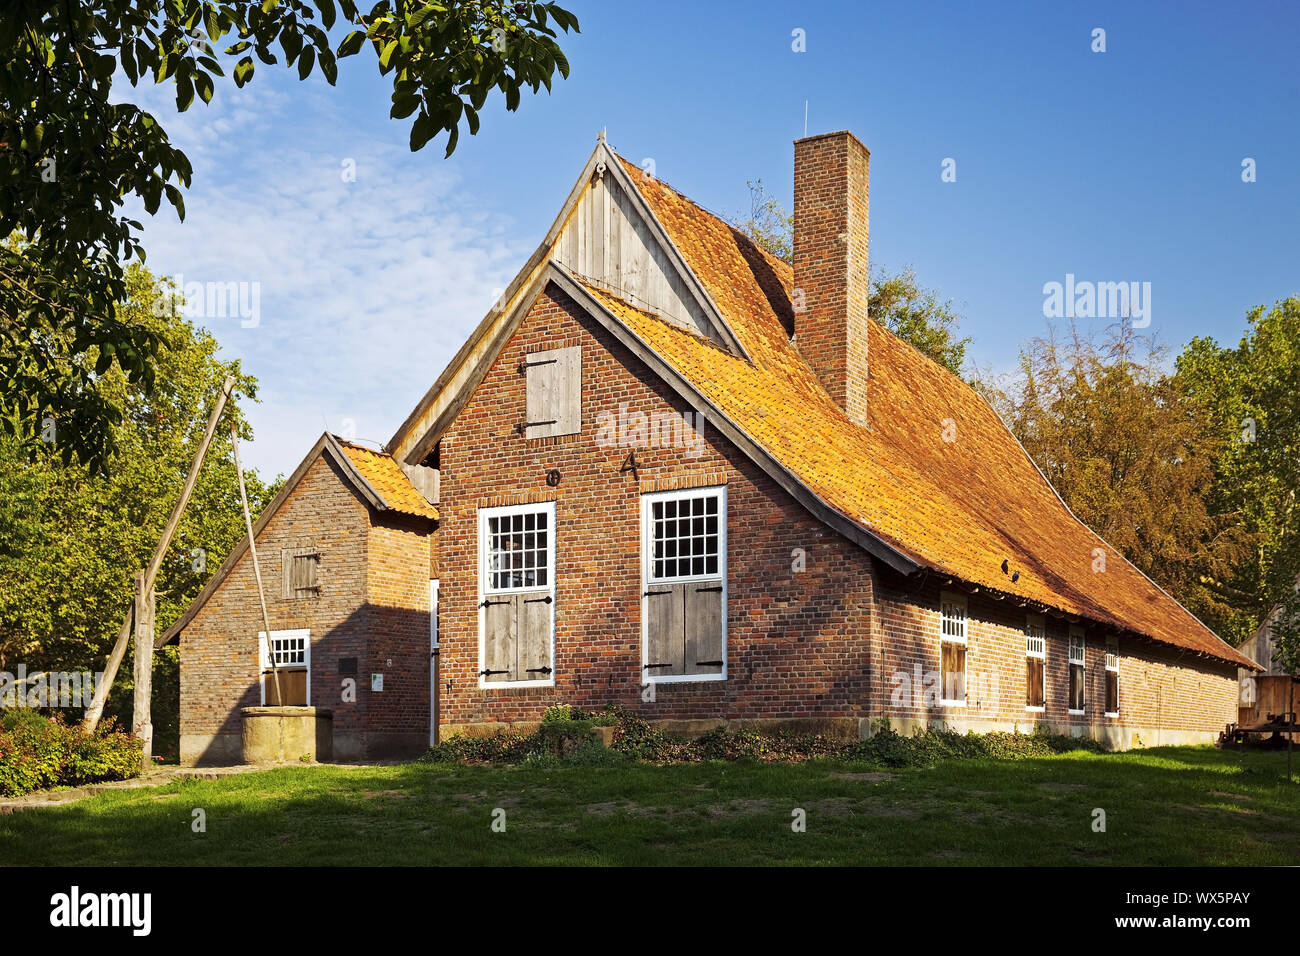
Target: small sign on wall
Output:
{"points": [[376, 683]]}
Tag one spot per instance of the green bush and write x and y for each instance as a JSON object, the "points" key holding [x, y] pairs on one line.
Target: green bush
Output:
{"points": [[39, 752], [564, 738], [892, 749]]}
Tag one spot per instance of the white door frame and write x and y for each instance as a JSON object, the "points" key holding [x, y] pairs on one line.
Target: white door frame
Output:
{"points": [[433, 669], [264, 659]]}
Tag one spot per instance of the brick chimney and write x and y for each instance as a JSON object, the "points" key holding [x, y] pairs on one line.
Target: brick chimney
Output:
{"points": [[830, 264]]}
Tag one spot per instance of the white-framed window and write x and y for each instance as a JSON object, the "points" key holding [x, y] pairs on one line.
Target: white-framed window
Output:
{"points": [[952, 648], [1035, 663], [1078, 698], [292, 661], [1112, 677], [684, 597], [517, 596]]}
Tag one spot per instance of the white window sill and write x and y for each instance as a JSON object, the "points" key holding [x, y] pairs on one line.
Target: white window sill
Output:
{"points": [[1075, 713], [688, 678], [952, 703], [1036, 710], [511, 684], [1109, 714]]}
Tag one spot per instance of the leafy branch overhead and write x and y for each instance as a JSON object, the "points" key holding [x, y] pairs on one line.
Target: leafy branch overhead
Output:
{"points": [[70, 159]]}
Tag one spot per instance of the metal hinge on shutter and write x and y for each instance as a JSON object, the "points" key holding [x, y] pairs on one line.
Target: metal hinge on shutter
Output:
{"points": [[540, 600], [525, 366], [488, 602], [718, 588], [537, 670], [523, 426], [649, 666], [489, 672], [708, 663], [648, 593]]}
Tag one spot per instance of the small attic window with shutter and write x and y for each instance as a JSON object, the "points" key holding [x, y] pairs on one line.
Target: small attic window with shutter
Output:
{"points": [[553, 380], [299, 566]]}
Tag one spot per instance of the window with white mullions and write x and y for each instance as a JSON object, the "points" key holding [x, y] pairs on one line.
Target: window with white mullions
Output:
{"points": [[1035, 663], [686, 534], [518, 550], [517, 595], [684, 602], [290, 648], [292, 671], [1077, 648], [952, 649], [1112, 678]]}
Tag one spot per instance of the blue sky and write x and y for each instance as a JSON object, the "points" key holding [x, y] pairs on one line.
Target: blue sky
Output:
{"points": [[1115, 166]]}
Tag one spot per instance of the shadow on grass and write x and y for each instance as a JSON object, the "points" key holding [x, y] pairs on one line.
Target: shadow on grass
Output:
{"points": [[1170, 806]]}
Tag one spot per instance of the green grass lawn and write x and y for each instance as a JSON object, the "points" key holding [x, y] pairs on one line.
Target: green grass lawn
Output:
{"points": [[1164, 806]]}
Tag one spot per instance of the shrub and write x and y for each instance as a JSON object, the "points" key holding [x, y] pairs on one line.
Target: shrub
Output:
{"points": [[38, 752], [563, 739], [892, 749], [501, 747]]}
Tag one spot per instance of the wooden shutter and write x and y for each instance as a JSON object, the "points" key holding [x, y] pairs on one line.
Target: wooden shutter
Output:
{"points": [[953, 671], [665, 629], [1034, 682], [500, 657], [298, 572], [1076, 687], [1112, 692], [533, 627], [703, 624], [294, 683], [554, 392]]}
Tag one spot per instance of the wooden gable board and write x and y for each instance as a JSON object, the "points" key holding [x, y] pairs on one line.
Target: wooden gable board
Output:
{"points": [[420, 431]]}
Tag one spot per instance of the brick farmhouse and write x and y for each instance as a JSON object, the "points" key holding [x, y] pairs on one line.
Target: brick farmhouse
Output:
{"points": [[672, 472]]}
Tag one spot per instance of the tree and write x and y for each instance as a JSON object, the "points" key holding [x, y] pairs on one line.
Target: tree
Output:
{"points": [[768, 224], [917, 315], [1286, 656], [75, 537], [69, 157], [1251, 396], [1124, 449], [898, 302]]}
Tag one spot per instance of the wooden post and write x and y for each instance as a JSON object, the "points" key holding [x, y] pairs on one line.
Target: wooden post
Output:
{"points": [[257, 570], [1290, 719], [142, 723], [96, 708]]}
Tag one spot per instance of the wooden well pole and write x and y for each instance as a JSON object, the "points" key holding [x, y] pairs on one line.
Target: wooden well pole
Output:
{"points": [[257, 570], [142, 720], [96, 708]]}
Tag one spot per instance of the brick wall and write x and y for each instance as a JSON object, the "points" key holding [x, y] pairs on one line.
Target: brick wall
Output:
{"points": [[798, 643], [1159, 687], [397, 587]]}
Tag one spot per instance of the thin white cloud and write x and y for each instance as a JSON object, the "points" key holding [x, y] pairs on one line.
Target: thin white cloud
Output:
{"points": [[365, 288]]}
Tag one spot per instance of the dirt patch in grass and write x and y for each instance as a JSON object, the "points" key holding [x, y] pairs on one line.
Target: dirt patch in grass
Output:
{"points": [[876, 776]]}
